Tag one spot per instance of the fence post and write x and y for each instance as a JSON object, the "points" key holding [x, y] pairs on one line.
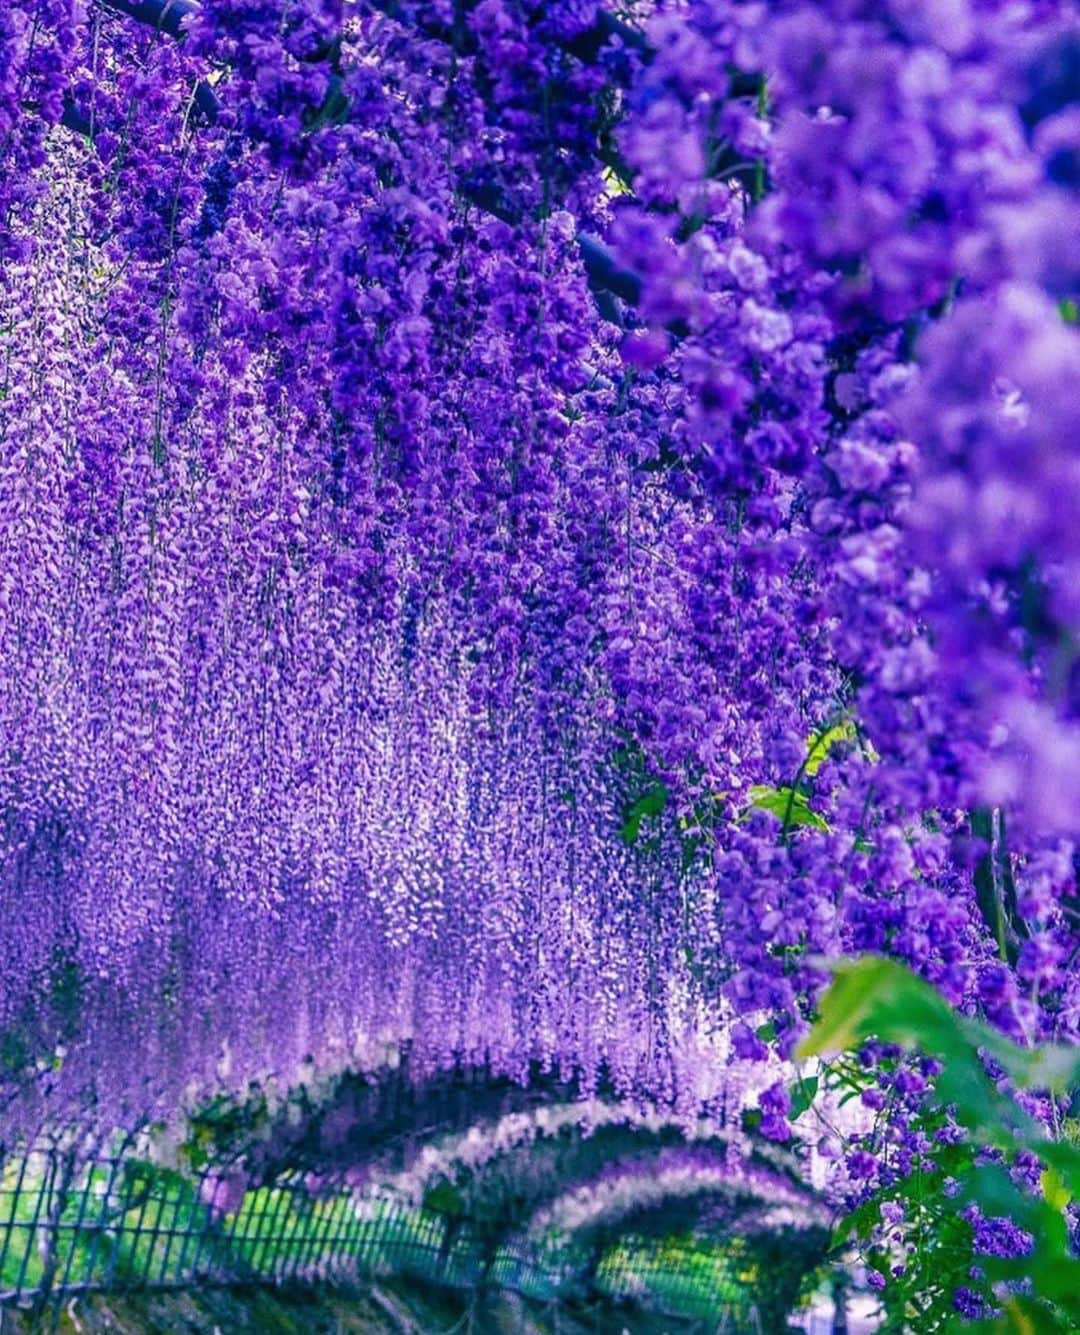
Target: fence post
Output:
{"points": [[839, 1293], [103, 1218], [51, 1255], [9, 1224], [76, 1232], [43, 1192]]}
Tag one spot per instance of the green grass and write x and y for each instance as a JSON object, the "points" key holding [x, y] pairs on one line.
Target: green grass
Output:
{"points": [[677, 1276]]}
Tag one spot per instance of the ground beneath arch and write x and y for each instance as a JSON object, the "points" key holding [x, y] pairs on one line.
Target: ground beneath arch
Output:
{"points": [[393, 1307]]}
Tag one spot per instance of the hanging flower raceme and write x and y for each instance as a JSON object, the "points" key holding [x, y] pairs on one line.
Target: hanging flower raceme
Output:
{"points": [[522, 533]]}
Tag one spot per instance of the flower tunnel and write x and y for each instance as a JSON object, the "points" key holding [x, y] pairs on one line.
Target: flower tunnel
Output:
{"points": [[532, 534], [474, 1182]]}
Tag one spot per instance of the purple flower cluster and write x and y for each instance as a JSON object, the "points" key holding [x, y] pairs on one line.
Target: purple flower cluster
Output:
{"points": [[898, 192], [417, 629]]}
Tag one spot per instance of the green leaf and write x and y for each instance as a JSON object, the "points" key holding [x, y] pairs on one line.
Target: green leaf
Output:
{"points": [[861, 1222], [1023, 1316], [1064, 1159], [789, 805], [803, 1093], [820, 744], [1053, 1066], [751, 1119], [650, 803], [1055, 1191], [877, 998]]}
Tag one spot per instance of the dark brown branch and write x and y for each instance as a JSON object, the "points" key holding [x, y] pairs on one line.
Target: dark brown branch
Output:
{"points": [[603, 272], [168, 16], [994, 892]]}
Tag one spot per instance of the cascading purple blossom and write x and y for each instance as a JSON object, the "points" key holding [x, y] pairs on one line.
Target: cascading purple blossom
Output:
{"points": [[456, 460]]}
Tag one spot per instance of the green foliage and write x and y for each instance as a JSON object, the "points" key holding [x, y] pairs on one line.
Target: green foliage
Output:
{"points": [[878, 998], [36, 1037], [802, 1094], [874, 998], [790, 805], [747, 1283], [821, 744], [651, 803], [649, 797], [646, 795], [225, 1128], [444, 1198]]}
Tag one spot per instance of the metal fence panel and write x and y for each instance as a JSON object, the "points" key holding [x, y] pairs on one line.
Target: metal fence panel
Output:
{"points": [[117, 1223]]}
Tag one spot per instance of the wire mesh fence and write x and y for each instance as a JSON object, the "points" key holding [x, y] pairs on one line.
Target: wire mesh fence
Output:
{"points": [[68, 1225]]}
